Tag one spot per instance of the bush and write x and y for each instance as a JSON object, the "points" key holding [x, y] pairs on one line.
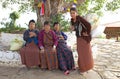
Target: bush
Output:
{"points": [[12, 30], [11, 27], [63, 23]]}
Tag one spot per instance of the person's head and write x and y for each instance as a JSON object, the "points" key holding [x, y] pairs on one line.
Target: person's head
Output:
{"points": [[32, 24], [73, 12], [46, 25], [56, 26]]}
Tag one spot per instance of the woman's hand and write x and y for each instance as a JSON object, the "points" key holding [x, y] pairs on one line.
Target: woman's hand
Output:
{"points": [[85, 34], [42, 50], [54, 48], [72, 28], [32, 34], [61, 37]]}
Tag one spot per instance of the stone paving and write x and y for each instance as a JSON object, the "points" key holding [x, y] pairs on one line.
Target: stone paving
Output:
{"points": [[107, 62]]}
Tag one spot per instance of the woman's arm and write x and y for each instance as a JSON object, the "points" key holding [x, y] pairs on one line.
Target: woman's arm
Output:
{"points": [[55, 40], [26, 35], [40, 40], [37, 33], [64, 35], [86, 23]]}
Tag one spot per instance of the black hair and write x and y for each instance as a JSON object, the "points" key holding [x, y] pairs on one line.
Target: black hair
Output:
{"points": [[31, 21], [73, 9], [46, 23], [55, 23]]}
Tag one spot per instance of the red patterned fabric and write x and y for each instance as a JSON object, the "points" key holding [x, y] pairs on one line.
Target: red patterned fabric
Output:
{"points": [[30, 55], [49, 57], [85, 59]]}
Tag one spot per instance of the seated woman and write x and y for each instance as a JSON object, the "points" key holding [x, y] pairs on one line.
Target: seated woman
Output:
{"points": [[65, 56], [47, 43], [30, 52]]}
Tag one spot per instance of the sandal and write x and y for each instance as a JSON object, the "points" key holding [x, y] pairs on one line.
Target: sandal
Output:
{"points": [[66, 72]]}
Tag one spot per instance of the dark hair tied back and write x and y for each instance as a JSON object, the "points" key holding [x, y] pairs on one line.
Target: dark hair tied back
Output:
{"points": [[73, 9]]}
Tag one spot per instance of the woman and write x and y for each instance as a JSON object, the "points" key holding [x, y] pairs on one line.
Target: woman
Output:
{"points": [[65, 56], [82, 29], [30, 52], [47, 43]]}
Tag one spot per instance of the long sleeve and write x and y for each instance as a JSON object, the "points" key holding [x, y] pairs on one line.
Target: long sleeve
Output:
{"points": [[55, 40], [86, 23], [88, 26], [37, 32], [26, 35], [40, 39], [30, 39], [64, 35]]}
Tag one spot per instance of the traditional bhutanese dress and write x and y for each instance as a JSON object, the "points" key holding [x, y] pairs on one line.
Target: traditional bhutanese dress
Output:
{"points": [[30, 52], [85, 59], [48, 59], [64, 53]]}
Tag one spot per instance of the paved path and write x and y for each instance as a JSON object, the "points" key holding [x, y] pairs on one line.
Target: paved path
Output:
{"points": [[36, 73], [107, 62]]}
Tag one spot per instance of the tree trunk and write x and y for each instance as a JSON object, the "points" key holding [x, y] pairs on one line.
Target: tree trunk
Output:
{"points": [[51, 9]]}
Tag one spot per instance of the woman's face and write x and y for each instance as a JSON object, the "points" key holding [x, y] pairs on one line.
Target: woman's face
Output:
{"points": [[73, 14], [32, 25], [56, 27], [47, 27]]}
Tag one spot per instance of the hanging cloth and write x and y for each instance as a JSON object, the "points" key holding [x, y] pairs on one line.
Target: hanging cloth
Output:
{"points": [[42, 11]]}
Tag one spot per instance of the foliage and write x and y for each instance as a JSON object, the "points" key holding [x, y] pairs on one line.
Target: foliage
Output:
{"points": [[113, 5], [97, 6], [11, 26], [14, 15], [64, 24], [38, 25], [61, 19], [23, 5], [17, 29], [91, 6]]}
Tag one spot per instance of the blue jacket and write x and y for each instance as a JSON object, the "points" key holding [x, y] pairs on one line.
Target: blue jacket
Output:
{"points": [[30, 39]]}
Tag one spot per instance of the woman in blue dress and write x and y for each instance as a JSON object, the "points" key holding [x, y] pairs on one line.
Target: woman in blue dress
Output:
{"points": [[30, 52], [64, 53]]}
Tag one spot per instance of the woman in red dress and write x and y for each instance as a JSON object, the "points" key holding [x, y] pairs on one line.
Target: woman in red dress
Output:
{"points": [[47, 40], [82, 29]]}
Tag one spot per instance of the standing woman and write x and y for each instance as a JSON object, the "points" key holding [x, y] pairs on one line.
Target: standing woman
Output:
{"points": [[82, 29], [65, 56]]}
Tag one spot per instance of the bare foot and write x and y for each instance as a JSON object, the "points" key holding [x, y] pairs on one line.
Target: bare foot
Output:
{"points": [[74, 68]]}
